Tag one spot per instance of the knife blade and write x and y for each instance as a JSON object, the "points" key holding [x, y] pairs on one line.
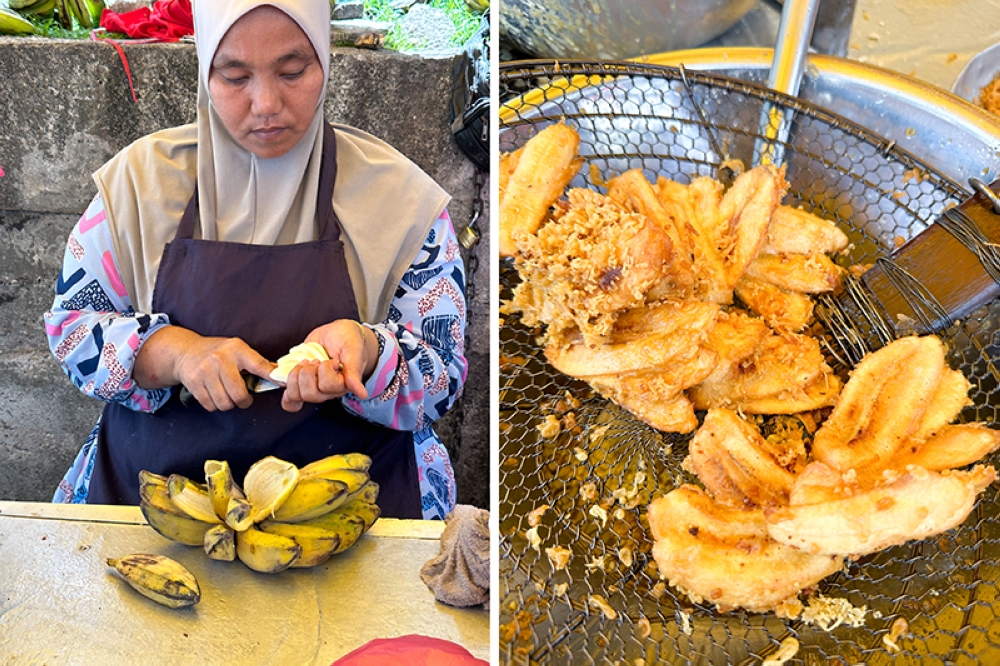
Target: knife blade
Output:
{"points": [[253, 383]]}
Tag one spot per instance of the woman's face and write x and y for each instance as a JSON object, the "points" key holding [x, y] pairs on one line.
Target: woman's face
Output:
{"points": [[266, 81]]}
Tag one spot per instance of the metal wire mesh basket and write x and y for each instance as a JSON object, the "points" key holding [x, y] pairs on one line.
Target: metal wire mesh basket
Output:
{"points": [[682, 125]]}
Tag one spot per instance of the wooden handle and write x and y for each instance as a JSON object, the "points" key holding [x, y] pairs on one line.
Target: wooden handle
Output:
{"points": [[947, 269]]}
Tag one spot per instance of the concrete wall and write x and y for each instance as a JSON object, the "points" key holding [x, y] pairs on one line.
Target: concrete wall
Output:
{"points": [[65, 108]]}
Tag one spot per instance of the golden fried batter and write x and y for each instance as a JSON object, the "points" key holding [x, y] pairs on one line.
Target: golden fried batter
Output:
{"points": [[731, 458], [688, 323], [785, 374], [545, 167], [634, 193], [810, 274], [795, 231], [584, 268], [783, 310], [857, 521], [724, 556], [882, 405]]}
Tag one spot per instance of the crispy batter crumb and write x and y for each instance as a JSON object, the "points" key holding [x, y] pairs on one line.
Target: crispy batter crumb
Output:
{"points": [[559, 557], [658, 589], [559, 589], [625, 555], [588, 491], [900, 627], [550, 427], [828, 613], [595, 564], [534, 540], [684, 620], [645, 629], [598, 512], [597, 601], [535, 517], [580, 454], [788, 649]]}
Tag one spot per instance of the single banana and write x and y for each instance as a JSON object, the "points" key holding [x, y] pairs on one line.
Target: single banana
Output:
{"points": [[161, 579], [239, 515], [220, 543], [358, 461], [268, 483], [367, 492], [367, 511], [221, 486], [192, 498], [353, 478], [318, 544], [347, 526], [311, 498], [167, 518], [64, 14], [20, 5], [265, 552], [307, 351]]}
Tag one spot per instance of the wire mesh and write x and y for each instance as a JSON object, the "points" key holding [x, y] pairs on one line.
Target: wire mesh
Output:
{"points": [[683, 125]]}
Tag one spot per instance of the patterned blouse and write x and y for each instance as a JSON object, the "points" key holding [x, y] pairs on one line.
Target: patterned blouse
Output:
{"points": [[95, 334]]}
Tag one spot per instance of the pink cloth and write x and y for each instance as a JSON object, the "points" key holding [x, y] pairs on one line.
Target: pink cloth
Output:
{"points": [[412, 650], [167, 21]]}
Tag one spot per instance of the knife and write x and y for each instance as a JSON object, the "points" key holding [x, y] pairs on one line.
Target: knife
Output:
{"points": [[253, 383]]}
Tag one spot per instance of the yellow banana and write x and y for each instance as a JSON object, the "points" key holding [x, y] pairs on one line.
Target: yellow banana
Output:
{"points": [[365, 510], [161, 579], [311, 498], [239, 515], [268, 483], [353, 478], [347, 526], [367, 492], [317, 543], [221, 486], [265, 552], [192, 498], [220, 543], [168, 519], [356, 461]]}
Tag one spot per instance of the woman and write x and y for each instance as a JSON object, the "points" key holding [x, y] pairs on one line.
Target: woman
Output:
{"points": [[212, 248]]}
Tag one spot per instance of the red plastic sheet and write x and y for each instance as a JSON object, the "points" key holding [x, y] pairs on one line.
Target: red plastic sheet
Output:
{"points": [[166, 21], [410, 650]]}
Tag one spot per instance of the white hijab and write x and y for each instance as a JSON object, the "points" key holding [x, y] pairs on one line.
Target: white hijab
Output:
{"points": [[385, 203]]}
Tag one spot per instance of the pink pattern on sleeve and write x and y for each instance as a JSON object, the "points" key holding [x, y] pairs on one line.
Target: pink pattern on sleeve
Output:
{"points": [[113, 276], [88, 223]]}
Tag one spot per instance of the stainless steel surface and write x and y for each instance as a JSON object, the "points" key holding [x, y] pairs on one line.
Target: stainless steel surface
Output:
{"points": [[61, 604], [794, 33], [979, 72], [680, 126], [615, 28], [958, 138]]}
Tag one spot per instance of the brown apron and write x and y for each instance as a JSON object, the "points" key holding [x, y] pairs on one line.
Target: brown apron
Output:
{"points": [[271, 297]]}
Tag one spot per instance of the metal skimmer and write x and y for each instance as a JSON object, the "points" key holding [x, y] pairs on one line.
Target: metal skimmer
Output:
{"points": [[681, 125]]}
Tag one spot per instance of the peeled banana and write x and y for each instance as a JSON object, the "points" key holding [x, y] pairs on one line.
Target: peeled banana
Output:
{"points": [[192, 498], [161, 579], [266, 552], [283, 517]]}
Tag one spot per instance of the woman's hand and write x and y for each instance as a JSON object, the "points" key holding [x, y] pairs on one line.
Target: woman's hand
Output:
{"points": [[353, 352], [208, 367]]}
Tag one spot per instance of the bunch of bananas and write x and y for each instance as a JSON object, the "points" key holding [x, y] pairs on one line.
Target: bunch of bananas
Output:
{"points": [[18, 19], [282, 517]]}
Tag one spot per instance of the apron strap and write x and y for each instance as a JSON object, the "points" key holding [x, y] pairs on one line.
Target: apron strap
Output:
{"points": [[329, 225]]}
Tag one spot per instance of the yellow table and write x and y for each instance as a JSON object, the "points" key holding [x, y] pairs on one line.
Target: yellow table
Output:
{"points": [[61, 604]]}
